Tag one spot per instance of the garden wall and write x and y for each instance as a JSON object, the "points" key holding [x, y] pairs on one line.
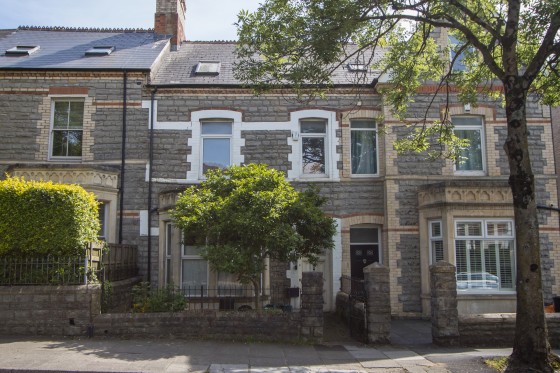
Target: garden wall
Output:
{"points": [[264, 325], [118, 295], [498, 329], [48, 310]]}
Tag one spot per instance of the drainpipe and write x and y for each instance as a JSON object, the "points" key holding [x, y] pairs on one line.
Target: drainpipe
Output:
{"points": [[151, 160], [123, 158]]}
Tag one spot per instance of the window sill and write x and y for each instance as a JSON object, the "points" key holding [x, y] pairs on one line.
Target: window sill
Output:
{"points": [[66, 159]]}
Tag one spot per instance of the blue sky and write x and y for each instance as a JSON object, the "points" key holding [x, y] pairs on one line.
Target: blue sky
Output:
{"points": [[206, 19]]}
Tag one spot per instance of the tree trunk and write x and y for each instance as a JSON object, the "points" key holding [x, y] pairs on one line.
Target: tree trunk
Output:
{"points": [[256, 287], [531, 348]]}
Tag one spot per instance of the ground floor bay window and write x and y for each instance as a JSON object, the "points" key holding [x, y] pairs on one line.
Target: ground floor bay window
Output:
{"points": [[485, 255]]}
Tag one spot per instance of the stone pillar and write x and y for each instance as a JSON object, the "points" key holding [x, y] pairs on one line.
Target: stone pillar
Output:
{"points": [[445, 317], [312, 306], [378, 303]]}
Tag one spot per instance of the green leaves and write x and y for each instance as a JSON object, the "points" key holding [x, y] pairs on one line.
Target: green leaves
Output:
{"points": [[245, 214], [41, 218]]}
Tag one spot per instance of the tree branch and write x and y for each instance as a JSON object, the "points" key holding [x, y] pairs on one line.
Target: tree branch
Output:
{"points": [[476, 19], [546, 49]]}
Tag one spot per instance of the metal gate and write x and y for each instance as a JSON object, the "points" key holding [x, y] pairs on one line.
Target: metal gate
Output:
{"points": [[356, 312]]}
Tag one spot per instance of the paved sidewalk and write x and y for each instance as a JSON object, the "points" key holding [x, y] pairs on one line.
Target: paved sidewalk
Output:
{"points": [[111, 355]]}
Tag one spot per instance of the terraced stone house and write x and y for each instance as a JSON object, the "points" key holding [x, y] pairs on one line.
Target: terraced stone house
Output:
{"points": [[136, 116]]}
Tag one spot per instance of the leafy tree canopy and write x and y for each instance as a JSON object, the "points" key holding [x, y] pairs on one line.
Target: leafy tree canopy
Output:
{"points": [[510, 49], [244, 214]]}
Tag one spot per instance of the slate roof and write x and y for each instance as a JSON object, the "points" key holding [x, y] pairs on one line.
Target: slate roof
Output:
{"points": [[178, 68], [64, 49]]}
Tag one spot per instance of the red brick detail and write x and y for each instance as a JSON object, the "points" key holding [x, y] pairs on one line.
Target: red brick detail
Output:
{"points": [[68, 90]]}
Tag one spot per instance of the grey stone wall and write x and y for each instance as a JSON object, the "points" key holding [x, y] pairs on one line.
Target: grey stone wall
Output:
{"points": [[498, 330], [279, 282], [415, 163], [410, 280], [312, 306], [264, 108], [48, 310], [270, 147], [407, 197], [445, 327], [350, 197], [536, 149], [170, 154], [18, 117], [378, 303], [209, 324]]}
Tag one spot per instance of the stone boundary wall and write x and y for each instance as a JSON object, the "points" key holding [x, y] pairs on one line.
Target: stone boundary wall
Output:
{"points": [[48, 310], [270, 325], [498, 329]]}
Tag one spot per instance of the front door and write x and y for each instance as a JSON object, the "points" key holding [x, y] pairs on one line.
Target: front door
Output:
{"points": [[364, 249]]}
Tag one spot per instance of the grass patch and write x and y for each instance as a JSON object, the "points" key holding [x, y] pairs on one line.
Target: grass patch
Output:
{"points": [[500, 363]]}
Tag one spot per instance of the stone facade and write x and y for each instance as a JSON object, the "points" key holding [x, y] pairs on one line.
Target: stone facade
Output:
{"points": [[398, 200]]}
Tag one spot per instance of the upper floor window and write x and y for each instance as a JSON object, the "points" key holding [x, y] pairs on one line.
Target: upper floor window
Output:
{"points": [[363, 133], [216, 144], [67, 128], [472, 159], [313, 147], [485, 255], [436, 241]]}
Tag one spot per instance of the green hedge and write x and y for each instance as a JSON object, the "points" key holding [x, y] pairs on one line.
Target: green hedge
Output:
{"points": [[41, 218]]}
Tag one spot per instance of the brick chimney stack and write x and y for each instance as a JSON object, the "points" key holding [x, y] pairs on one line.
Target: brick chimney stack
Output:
{"points": [[170, 20]]}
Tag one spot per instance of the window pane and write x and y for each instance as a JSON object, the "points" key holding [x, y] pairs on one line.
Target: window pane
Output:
{"points": [[437, 251], [216, 128], [195, 276], [61, 109], [363, 123], [469, 229], [76, 117], [501, 228], [436, 229], [364, 157], [191, 250], [216, 154], [59, 144], [228, 285], [470, 159], [74, 139], [467, 121], [364, 235], [168, 230], [313, 151], [313, 127]]}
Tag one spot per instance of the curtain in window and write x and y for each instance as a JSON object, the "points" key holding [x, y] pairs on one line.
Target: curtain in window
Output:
{"points": [[195, 277], [364, 160], [470, 159]]}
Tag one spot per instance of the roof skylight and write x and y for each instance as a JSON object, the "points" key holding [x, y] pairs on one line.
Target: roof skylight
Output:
{"points": [[356, 67], [208, 67], [100, 51], [22, 50]]}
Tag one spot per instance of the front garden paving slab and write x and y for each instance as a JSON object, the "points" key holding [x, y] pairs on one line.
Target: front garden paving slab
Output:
{"points": [[228, 368]]}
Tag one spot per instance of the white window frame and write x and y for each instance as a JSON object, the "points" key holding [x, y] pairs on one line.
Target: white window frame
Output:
{"points": [[376, 145], [215, 136], [316, 135], [184, 257], [434, 239], [473, 127], [52, 129], [486, 237], [195, 141]]}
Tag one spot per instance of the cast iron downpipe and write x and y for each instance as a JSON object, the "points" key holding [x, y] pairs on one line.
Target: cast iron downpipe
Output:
{"points": [[123, 158], [151, 159]]}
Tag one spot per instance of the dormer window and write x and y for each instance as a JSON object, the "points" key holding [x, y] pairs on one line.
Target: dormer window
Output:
{"points": [[357, 67], [22, 50], [208, 68], [100, 51]]}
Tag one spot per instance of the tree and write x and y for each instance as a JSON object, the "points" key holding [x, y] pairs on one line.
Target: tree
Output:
{"points": [[510, 48], [244, 214]]}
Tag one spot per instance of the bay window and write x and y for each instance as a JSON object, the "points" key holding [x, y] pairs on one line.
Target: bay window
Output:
{"points": [[485, 255]]}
